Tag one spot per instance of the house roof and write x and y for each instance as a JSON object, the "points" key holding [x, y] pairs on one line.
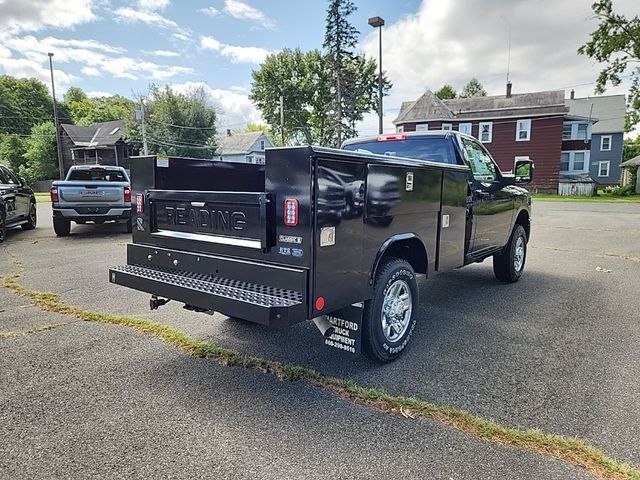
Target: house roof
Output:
{"points": [[103, 134], [238, 143], [429, 107], [609, 109], [633, 162]]}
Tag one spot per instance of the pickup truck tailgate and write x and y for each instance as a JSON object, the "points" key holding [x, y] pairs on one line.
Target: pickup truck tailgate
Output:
{"points": [[91, 192]]}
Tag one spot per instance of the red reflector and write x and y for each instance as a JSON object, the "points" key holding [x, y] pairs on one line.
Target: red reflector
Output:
{"points": [[139, 203], [127, 194], [319, 303], [53, 193], [291, 212], [391, 137]]}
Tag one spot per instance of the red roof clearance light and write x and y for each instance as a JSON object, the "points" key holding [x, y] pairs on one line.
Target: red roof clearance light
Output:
{"points": [[391, 137]]}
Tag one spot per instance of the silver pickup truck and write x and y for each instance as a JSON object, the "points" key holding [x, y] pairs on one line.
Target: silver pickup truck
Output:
{"points": [[93, 193]]}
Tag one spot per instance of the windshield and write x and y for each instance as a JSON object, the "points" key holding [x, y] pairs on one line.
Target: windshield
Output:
{"points": [[98, 175], [433, 149]]}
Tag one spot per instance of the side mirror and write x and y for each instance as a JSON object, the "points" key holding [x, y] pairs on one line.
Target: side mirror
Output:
{"points": [[22, 181], [523, 171]]}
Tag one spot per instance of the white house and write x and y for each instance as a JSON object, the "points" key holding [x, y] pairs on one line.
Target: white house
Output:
{"points": [[243, 147]]}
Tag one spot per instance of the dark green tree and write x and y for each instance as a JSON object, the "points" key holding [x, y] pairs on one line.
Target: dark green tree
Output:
{"points": [[85, 111], [12, 150], [41, 156], [616, 42], [340, 40], [446, 92], [24, 102], [473, 89], [177, 124]]}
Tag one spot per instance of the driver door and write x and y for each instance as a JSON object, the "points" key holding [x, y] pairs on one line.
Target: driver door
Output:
{"points": [[492, 207]]}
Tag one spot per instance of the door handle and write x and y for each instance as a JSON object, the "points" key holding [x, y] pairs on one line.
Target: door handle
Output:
{"points": [[483, 194]]}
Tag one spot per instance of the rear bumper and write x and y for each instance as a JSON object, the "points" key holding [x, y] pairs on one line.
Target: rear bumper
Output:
{"points": [[270, 295], [117, 213]]}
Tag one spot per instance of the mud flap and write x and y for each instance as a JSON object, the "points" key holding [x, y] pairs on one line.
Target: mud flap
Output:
{"points": [[347, 329]]}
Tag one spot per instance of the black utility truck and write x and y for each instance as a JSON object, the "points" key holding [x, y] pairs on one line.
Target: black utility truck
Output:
{"points": [[333, 236]]}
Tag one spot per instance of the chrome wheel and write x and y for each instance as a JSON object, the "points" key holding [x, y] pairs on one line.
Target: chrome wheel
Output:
{"points": [[518, 256], [396, 310]]}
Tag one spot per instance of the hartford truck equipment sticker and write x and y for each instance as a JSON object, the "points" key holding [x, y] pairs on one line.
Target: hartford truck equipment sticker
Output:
{"points": [[346, 335]]}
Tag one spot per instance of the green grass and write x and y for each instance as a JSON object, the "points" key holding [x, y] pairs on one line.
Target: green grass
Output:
{"points": [[570, 449], [600, 198]]}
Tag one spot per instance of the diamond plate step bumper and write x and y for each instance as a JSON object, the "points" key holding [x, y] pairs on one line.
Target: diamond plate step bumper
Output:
{"points": [[252, 302]]}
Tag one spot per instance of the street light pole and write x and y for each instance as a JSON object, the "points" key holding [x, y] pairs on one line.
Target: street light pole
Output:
{"points": [[378, 22], [55, 119]]}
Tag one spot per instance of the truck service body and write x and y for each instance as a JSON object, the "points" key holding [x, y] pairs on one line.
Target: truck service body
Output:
{"points": [[332, 235]]}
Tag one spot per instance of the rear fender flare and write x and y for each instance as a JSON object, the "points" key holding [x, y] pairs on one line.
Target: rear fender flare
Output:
{"points": [[387, 246]]}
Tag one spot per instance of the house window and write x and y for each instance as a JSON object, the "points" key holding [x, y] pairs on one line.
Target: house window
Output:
{"points": [[422, 127], [464, 128], [581, 133], [261, 144], [486, 132], [400, 129], [446, 126], [566, 131], [523, 130], [605, 143], [603, 168], [574, 162]]}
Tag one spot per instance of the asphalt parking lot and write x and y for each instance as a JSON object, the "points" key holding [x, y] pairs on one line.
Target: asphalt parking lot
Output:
{"points": [[558, 351]]}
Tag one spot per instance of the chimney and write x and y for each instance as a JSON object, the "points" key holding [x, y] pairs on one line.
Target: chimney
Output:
{"points": [[508, 89], [573, 94], [228, 132]]}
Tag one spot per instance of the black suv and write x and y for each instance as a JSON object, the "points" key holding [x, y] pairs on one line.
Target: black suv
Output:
{"points": [[17, 203]]}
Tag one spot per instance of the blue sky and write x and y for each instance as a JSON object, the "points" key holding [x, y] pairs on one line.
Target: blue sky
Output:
{"points": [[121, 46]]}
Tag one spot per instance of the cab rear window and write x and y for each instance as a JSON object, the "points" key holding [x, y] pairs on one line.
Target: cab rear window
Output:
{"points": [[432, 149], [98, 175]]}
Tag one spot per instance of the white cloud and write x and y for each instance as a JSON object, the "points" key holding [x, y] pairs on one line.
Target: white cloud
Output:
{"points": [[210, 11], [25, 68], [244, 11], [91, 71], [151, 5], [131, 15], [161, 53], [445, 42], [95, 58], [236, 53], [98, 94], [30, 15], [181, 36], [234, 109]]}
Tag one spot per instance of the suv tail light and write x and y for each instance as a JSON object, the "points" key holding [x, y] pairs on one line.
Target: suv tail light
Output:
{"points": [[139, 203], [291, 212], [127, 194], [53, 193]]}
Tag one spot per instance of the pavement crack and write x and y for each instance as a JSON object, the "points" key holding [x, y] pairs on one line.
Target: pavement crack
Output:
{"points": [[573, 450], [622, 256]]}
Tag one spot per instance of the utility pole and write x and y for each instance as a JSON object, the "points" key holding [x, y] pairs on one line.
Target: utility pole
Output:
{"points": [[282, 119], [378, 22], [145, 149], [55, 119]]}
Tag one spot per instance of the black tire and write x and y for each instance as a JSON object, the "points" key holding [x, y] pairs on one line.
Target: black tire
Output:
{"points": [[61, 226], [376, 344], [32, 220], [3, 225], [129, 225], [508, 264]]}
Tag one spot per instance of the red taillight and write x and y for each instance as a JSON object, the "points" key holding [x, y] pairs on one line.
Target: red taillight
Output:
{"points": [[291, 212], [53, 193], [390, 137], [127, 194], [139, 203]]}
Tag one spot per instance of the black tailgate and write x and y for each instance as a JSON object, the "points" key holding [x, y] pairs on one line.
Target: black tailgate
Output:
{"points": [[227, 218]]}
